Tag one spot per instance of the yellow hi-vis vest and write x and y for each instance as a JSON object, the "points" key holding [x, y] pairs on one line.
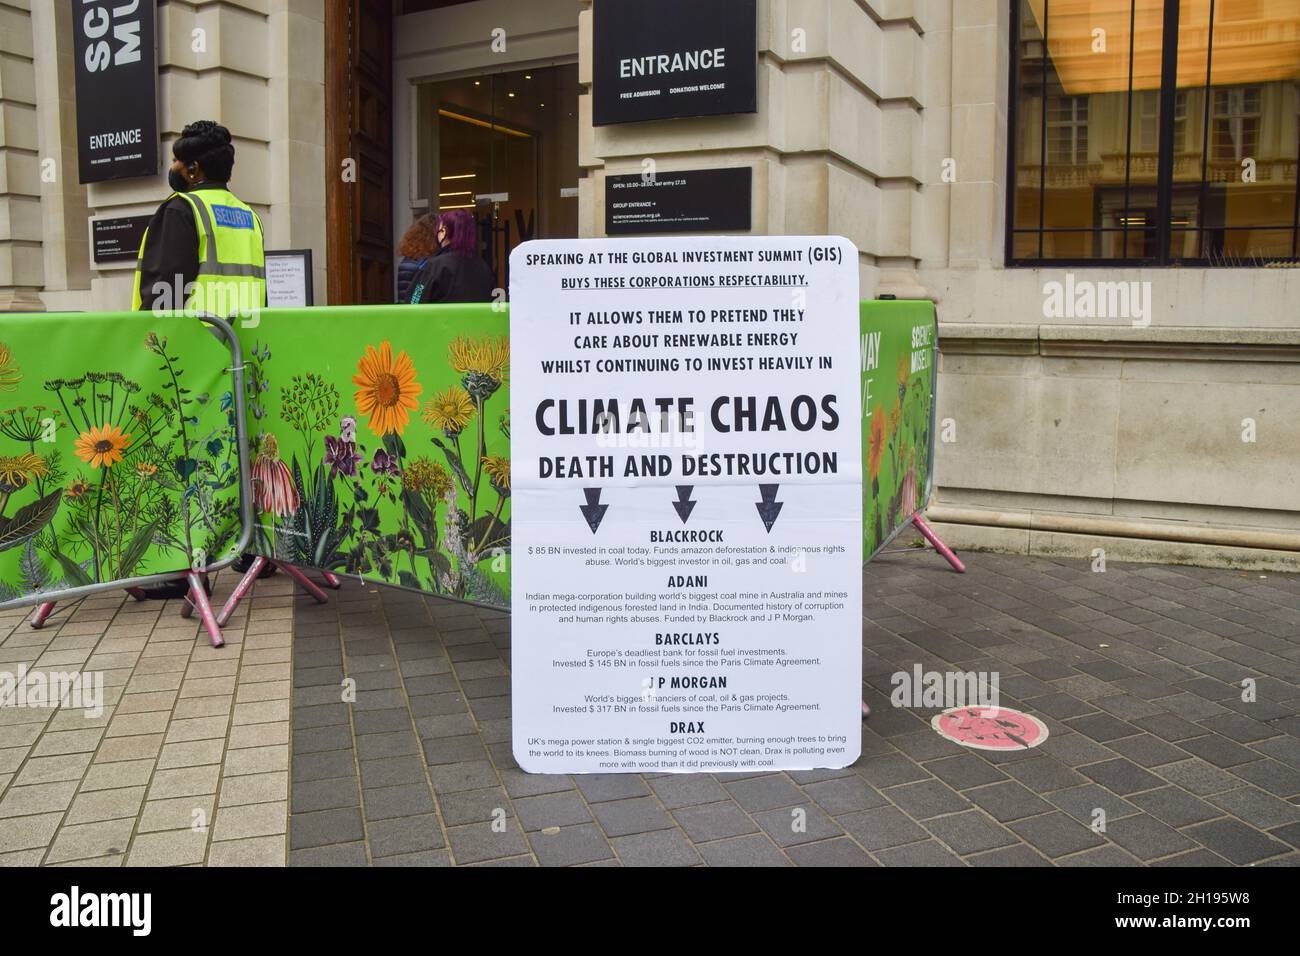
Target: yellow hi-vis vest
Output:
{"points": [[232, 264]]}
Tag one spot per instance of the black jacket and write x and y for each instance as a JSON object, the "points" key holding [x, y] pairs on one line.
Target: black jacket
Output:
{"points": [[407, 270], [448, 277]]}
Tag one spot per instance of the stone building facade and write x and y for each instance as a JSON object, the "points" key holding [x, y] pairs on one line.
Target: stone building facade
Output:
{"points": [[902, 125]]}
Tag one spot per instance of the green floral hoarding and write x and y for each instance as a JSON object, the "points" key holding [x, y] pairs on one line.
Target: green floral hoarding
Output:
{"points": [[897, 342], [118, 456], [380, 440]]}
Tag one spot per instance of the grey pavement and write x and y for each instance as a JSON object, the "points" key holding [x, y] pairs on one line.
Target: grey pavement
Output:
{"points": [[252, 755], [1136, 671]]}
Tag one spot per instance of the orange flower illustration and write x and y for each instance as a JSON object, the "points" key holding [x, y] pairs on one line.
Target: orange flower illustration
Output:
{"points": [[387, 389], [101, 446], [876, 443]]}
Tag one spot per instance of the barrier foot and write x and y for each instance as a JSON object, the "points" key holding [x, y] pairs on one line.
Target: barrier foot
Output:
{"points": [[308, 585], [943, 549], [199, 596], [241, 590], [42, 614], [137, 593], [332, 580]]}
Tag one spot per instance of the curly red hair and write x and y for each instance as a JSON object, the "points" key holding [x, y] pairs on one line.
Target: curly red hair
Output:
{"points": [[421, 240]]}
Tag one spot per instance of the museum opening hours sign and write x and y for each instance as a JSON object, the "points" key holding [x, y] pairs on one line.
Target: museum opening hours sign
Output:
{"points": [[687, 504]]}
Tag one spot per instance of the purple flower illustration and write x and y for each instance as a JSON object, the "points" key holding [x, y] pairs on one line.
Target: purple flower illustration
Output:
{"points": [[385, 464], [341, 455]]}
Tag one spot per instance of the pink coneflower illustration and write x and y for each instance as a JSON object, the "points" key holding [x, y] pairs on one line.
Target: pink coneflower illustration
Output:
{"points": [[909, 492], [272, 482]]}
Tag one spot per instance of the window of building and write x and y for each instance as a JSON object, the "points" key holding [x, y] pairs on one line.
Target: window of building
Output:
{"points": [[1235, 133], [1154, 132], [1067, 130]]}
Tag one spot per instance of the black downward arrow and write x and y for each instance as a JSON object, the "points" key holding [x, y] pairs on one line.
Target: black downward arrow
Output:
{"points": [[769, 507], [593, 510], [683, 504]]}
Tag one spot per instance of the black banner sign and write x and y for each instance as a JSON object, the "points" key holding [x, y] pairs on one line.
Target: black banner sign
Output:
{"points": [[695, 200], [117, 240], [116, 69], [670, 58]]}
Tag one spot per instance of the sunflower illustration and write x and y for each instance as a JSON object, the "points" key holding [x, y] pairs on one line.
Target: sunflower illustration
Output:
{"points": [[450, 410], [876, 443], [146, 469], [498, 472], [102, 445], [387, 389], [17, 471], [78, 488], [10, 375]]}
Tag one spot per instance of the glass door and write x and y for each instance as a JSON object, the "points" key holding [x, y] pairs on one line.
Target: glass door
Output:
{"points": [[504, 146]]}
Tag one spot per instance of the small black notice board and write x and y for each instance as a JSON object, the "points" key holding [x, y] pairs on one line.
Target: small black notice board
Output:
{"points": [[695, 200], [117, 239]]}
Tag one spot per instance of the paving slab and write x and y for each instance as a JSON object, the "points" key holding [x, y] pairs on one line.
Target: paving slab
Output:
{"points": [[1152, 757]]}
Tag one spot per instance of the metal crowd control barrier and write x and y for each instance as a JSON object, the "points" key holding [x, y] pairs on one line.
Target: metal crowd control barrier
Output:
{"points": [[928, 317], [148, 481]]}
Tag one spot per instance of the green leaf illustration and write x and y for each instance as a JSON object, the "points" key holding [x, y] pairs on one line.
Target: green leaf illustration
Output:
{"points": [[35, 576], [75, 574], [454, 460], [136, 549], [28, 520]]}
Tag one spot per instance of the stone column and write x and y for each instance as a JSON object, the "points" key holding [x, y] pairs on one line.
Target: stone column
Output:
{"points": [[834, 145], [22, 271]]}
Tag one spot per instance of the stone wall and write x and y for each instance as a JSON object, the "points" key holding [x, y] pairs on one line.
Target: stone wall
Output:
{"points": [[256, 66], [1071, 435]]}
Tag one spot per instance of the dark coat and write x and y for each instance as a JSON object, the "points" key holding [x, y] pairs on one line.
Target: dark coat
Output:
{"points": [[407, 270], [448, 277]]}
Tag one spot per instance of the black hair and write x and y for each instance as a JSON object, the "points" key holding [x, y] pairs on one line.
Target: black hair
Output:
{"points": [[207, 144]]}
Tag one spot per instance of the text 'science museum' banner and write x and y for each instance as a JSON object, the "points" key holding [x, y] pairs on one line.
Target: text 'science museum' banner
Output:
{"points": [[687, 471], [116, 77]]}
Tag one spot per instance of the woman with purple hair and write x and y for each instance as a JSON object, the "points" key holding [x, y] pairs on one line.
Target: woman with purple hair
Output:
{"points": [[456, 273]]}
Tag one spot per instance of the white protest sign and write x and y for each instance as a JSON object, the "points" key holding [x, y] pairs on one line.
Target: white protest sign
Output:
{"points": [[687, 504]]}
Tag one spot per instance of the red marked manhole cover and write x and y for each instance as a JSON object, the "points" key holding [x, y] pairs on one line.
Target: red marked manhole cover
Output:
{"points": [[990, 728]]}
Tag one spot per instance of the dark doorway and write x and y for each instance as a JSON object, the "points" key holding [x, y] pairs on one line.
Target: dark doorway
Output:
{"points": [[358, 151]]}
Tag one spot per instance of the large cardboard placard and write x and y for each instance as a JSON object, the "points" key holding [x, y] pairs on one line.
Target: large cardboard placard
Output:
{"points": [[687, 476]]}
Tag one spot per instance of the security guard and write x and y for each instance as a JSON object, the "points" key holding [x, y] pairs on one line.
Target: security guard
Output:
{"points": [[202, 252], [203, 249]]}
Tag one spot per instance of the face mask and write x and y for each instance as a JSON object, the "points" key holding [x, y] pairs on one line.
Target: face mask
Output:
{"points": [[177, 182]]}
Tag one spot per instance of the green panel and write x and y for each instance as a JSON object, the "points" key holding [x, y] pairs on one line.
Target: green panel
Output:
{"points": [[415, 492], [897, 359], [118, 456], [420, 498]]}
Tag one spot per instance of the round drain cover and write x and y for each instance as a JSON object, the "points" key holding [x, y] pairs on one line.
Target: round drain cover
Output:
{"points": [[990, 728]]}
